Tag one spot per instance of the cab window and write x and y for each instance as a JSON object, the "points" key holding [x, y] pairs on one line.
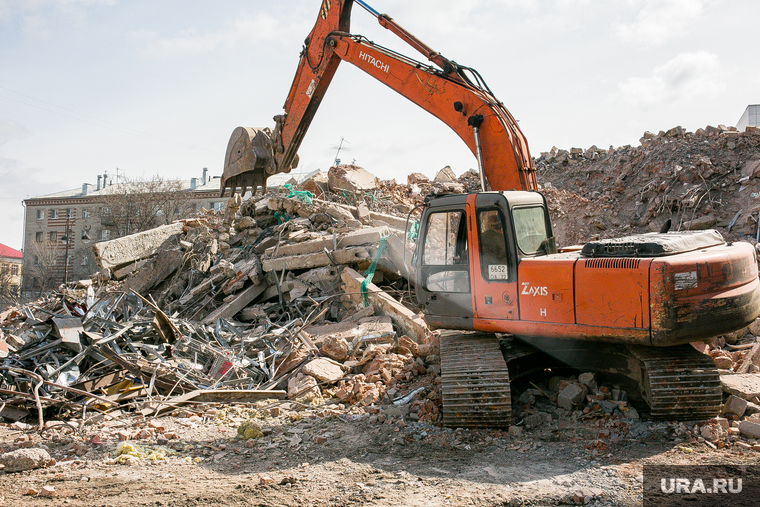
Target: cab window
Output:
{"points": [[530, 228], [446, 239], [446, 245], [493, 246]]}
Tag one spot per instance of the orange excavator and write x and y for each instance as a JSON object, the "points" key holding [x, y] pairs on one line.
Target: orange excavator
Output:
{"points": [[487, 269]]}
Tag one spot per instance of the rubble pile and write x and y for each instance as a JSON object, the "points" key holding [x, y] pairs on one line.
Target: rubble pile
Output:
{"points": [[259, 301], [699, 180], [304, 293]]}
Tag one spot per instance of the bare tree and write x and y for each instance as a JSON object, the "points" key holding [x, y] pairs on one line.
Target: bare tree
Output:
{"points": [[40, 264], [139, 205], [8, 288]]}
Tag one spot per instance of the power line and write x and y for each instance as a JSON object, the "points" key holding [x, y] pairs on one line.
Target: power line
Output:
{"points": [[100, 123]]}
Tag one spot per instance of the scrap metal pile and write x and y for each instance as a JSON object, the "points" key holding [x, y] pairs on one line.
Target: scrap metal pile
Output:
{"points": [[264, 300]]}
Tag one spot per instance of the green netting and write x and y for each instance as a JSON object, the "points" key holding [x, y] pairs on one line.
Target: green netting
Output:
{"points": [[282, 217], [371, 270], [303, 195]]}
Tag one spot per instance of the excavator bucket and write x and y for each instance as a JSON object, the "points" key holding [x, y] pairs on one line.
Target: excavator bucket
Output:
{"points": [[249, 160]]}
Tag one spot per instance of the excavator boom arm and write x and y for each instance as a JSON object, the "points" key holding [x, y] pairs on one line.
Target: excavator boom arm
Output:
{"points": [[447, 92]]}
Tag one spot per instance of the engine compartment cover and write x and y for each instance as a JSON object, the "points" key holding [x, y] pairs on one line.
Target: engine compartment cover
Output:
{"points": [[652, 244]]}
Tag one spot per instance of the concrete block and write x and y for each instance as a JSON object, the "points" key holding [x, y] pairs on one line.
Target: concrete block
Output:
{"points": [[735, 406], [750, 429], [570, 396]]}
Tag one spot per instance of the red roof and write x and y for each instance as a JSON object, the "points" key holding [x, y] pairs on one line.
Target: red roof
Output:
{"points": [[6, 251]]}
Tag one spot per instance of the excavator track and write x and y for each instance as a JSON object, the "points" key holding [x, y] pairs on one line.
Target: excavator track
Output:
{"points": [[679, 383], [475, 381]]}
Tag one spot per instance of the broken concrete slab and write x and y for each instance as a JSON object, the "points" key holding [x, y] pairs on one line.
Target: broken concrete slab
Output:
{"points": [[346, 256], [369, 236], [410, 323], [155, 271], [746, 386], [121, 251], [122, 273], [350, 330], [350, 178]]}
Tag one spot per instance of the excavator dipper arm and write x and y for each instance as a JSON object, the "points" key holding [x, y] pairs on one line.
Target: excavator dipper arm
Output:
{"points": [[448, 92]]}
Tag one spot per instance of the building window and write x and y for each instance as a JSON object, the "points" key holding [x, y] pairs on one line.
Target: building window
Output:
{"points": [[40, 214], [105, 234], [38, 236], [217, 205], [14, 270], [53, 213], [84, 259], [85, 213], [36, 261], [68, 260], [53, 236], [5, 269], [69, 213]]}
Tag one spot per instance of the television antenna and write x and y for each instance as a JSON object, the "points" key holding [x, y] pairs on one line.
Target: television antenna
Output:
{"points": [[340, 147]]}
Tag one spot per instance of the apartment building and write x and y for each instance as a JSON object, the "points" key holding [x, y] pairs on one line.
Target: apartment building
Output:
{"points": [[60, 228]]}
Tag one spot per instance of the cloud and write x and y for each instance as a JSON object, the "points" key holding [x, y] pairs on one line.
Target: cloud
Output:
{"points": [[686, 77], [10, 130], [659, 21], [11, 9], [244, 31]]}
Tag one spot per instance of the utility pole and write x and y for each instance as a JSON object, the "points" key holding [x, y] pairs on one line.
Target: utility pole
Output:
{"points": [[67, 240]]}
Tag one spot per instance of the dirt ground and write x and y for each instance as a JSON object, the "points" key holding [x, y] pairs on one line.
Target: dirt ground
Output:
{"points": [[320, 456]]}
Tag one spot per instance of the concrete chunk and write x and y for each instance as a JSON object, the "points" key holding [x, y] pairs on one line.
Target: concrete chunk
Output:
{"points": [[155, 271], [121, 251], [570, 396], [750, 429], [323, 370], [746, 386], [735, 406]]}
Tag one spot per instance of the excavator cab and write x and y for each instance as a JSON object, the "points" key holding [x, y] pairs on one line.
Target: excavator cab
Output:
{"points": [[469, 251]]}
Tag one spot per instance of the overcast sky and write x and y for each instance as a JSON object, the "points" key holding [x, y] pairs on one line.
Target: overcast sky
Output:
{"points": [[156, 87]]}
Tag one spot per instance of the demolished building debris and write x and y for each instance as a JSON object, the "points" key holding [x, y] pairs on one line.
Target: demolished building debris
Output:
{"points": [[275, 300]]}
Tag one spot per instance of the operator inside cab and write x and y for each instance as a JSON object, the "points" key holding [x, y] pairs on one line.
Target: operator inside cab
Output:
{"points": [[493, 247]]}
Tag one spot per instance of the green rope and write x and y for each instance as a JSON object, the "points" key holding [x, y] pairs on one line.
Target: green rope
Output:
{"points": [[371, 270]]}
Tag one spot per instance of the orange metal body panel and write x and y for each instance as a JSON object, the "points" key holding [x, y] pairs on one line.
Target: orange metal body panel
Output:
{"points": [[612, 292], [546, 290], [491, 299], [697, 292]]}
